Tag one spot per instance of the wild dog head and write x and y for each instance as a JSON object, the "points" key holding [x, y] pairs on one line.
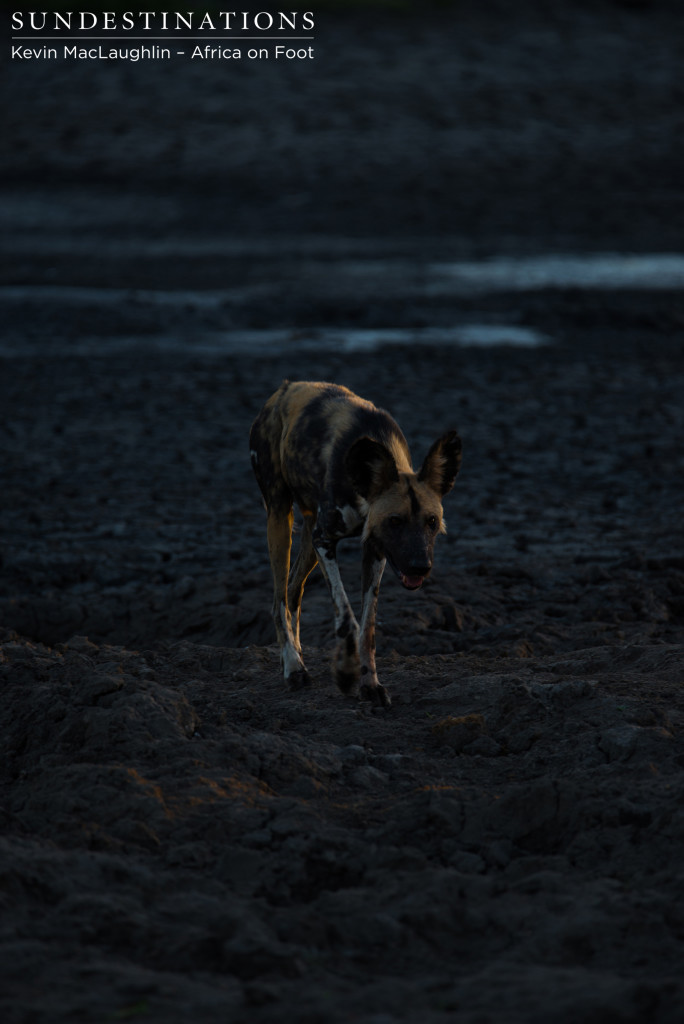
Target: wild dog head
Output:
{"points": [[402, 509]]}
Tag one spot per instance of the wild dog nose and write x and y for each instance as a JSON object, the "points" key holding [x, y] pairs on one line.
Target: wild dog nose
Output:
{"points": [[419, 568]]}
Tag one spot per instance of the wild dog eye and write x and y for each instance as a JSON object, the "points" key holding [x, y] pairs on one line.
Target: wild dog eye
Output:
{"points": [[395, 522], [432, 522]]}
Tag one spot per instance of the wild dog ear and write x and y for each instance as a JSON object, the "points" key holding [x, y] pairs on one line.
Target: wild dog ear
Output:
{"points": [[370, 467], [442, 463]]}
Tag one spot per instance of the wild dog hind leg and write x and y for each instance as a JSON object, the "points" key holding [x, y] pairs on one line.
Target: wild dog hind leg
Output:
{"points": [[304, 563], [279, 534]]}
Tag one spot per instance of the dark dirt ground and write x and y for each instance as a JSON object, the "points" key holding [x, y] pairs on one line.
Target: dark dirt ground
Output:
{"points": [[181, 838]]}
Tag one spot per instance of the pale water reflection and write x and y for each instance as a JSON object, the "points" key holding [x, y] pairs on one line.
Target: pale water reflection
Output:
{"points": [[337, 279], [608, 271]]}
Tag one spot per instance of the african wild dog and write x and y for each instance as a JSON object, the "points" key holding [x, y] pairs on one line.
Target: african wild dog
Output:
{"points": [[347, 466]]}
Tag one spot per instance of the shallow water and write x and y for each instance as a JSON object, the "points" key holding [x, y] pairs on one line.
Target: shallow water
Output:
{"points": [[264, 343], [610, 271], [365, 278]]}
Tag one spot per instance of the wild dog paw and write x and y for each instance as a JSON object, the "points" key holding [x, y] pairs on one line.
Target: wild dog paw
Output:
{"points": [[377, 695], [298, 680]]}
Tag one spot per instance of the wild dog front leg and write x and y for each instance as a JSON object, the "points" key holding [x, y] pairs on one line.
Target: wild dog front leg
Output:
{"points": [[371, 689], [346, 663], [279, 534]]}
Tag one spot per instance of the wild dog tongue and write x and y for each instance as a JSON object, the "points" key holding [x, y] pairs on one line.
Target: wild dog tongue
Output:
{"points": [[411, 582]]}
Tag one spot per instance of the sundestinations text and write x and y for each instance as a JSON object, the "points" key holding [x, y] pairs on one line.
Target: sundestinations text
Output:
{"points": [[147, 21]]}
